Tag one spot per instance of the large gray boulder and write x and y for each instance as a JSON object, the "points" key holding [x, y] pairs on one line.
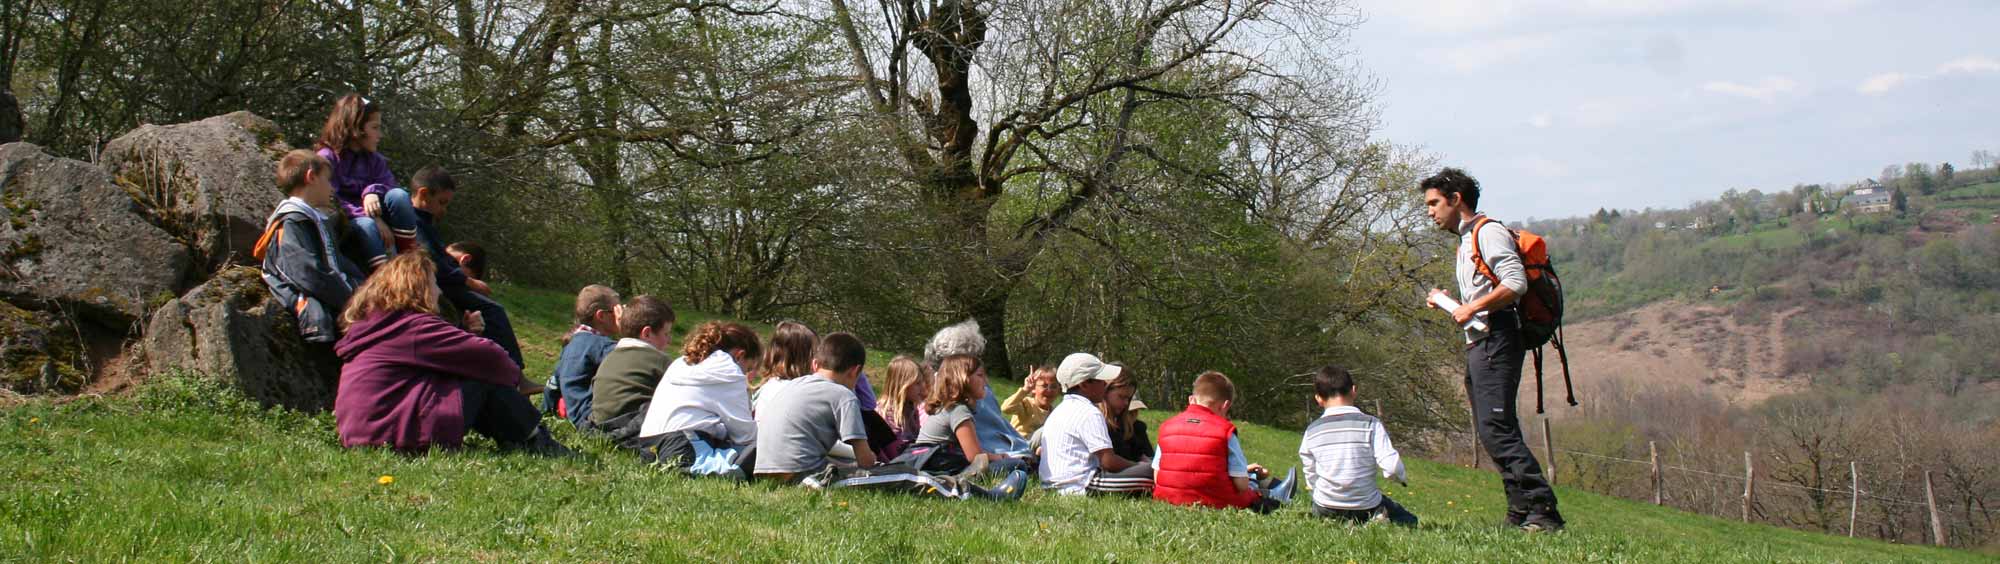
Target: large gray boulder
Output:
{"points": [[231, 329], [38, 352], [210, 182], [69, 236]]}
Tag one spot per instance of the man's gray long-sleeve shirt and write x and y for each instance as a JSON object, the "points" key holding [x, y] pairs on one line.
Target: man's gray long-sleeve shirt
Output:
{"points": [[1496, 245]]}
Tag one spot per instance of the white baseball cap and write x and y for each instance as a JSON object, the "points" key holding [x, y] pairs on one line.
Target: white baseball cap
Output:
{"points": [[1078, 368]]}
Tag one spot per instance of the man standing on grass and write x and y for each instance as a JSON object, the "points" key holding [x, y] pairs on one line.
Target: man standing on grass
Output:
{"points": [[1493, 354]]}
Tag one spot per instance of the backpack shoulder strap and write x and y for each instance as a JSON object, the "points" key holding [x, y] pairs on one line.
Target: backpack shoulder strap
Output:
{"points": [[1479, 258], [274, 232]]}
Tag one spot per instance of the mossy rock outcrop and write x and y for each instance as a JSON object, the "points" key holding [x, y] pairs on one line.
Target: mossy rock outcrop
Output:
{"points": [[231, 329], [69, 236], [38, 352], [210, 183]]}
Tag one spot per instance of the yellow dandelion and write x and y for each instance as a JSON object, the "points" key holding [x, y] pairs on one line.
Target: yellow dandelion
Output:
{"points": [[34, 420], [1451, 503], [386, 480], [843, 504]]}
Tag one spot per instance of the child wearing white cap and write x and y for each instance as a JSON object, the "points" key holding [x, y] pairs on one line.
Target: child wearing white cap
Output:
{"points": [[1077, 457]]}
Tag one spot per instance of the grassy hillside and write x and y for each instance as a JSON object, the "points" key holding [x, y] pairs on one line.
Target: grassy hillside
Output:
{"points": [[184, 470]]}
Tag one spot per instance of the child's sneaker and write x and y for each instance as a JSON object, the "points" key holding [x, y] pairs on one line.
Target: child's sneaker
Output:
{"points": [[1282, 491], [1010, 489]]}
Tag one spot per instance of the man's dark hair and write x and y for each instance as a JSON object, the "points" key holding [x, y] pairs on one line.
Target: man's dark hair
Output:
{"points": [[1453, 181], [1333, 381], [434, 177], [643, 312], [839, 352], [476, 265]]}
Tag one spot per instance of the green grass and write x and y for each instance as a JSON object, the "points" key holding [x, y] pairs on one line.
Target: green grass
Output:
{"points": [[1777, 238], [184, 469], [1976, 191]]}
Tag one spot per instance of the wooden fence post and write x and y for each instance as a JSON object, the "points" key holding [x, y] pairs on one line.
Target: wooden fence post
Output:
{"points": [[1549, 447], [1378, 410], [1854, 501], [1659, 497], [1937, 525], [1749, 485]]}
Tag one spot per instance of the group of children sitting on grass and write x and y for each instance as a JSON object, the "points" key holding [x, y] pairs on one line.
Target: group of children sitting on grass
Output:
{"points": [[792, 406]]}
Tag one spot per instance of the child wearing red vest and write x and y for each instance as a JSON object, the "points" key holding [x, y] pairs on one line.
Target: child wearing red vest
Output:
{"points": [[1199, 460]]}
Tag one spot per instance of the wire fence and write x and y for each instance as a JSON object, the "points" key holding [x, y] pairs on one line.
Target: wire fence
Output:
{"points": [[1750, 495]]}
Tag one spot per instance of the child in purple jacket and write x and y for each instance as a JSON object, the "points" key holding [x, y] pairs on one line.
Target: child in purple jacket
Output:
{"points": [[362, 182], [411, 381]]}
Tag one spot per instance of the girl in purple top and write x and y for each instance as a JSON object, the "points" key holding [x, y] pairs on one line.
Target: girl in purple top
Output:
{"points": [[411, 381], [902, 393], [362, 183]]}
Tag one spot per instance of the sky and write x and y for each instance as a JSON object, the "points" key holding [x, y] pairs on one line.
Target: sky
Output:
{"points": [[1560, 107]]}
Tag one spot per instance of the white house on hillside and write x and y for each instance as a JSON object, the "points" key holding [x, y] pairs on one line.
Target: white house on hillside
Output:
{"points": [[1873, 199]]}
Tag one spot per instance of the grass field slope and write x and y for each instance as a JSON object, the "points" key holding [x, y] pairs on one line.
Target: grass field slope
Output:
{"points": [[184, 470]]}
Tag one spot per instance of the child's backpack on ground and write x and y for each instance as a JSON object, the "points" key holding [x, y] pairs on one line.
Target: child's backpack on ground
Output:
{"points": [[1540, 308]]}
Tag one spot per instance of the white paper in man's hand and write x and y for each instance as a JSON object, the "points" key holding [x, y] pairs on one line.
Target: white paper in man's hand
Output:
{"points": [[1443, 301]]}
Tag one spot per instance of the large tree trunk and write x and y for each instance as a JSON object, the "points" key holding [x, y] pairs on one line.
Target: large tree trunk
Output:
{"points": [[12, 124], [991, 313]]}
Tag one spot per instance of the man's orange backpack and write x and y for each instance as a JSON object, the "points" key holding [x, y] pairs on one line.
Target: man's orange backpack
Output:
{"points": [[1540, 308]]}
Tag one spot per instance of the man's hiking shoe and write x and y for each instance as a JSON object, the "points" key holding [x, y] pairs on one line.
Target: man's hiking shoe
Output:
{"points": [[1282, 491], [1010, 489], [1517, 518], [1542, 522]]}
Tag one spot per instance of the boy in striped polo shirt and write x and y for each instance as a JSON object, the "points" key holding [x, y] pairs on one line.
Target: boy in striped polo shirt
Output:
{"points": [[1341, 452]]}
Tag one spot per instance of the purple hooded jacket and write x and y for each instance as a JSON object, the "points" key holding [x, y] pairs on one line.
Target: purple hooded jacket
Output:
{"points": [[357, 174], [399, 381]]}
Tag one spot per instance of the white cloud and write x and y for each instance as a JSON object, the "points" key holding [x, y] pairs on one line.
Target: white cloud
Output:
{"points": [[1541, 121], [1969, 65], [1766, 91], [1882, 83]]}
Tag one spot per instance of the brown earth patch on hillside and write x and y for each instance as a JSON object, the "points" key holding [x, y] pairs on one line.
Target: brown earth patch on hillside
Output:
{"points": [[1680, 344]]}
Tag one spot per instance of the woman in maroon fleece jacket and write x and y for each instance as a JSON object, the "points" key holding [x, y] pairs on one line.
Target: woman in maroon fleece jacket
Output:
{"points": [[409, 380]]}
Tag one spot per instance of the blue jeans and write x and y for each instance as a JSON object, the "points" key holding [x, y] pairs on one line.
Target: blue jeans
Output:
{"points": [[401, 217]]}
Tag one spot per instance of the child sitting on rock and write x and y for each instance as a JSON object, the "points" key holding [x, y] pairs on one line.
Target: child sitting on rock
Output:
{"points": [[368, 193], [297, 250]]}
